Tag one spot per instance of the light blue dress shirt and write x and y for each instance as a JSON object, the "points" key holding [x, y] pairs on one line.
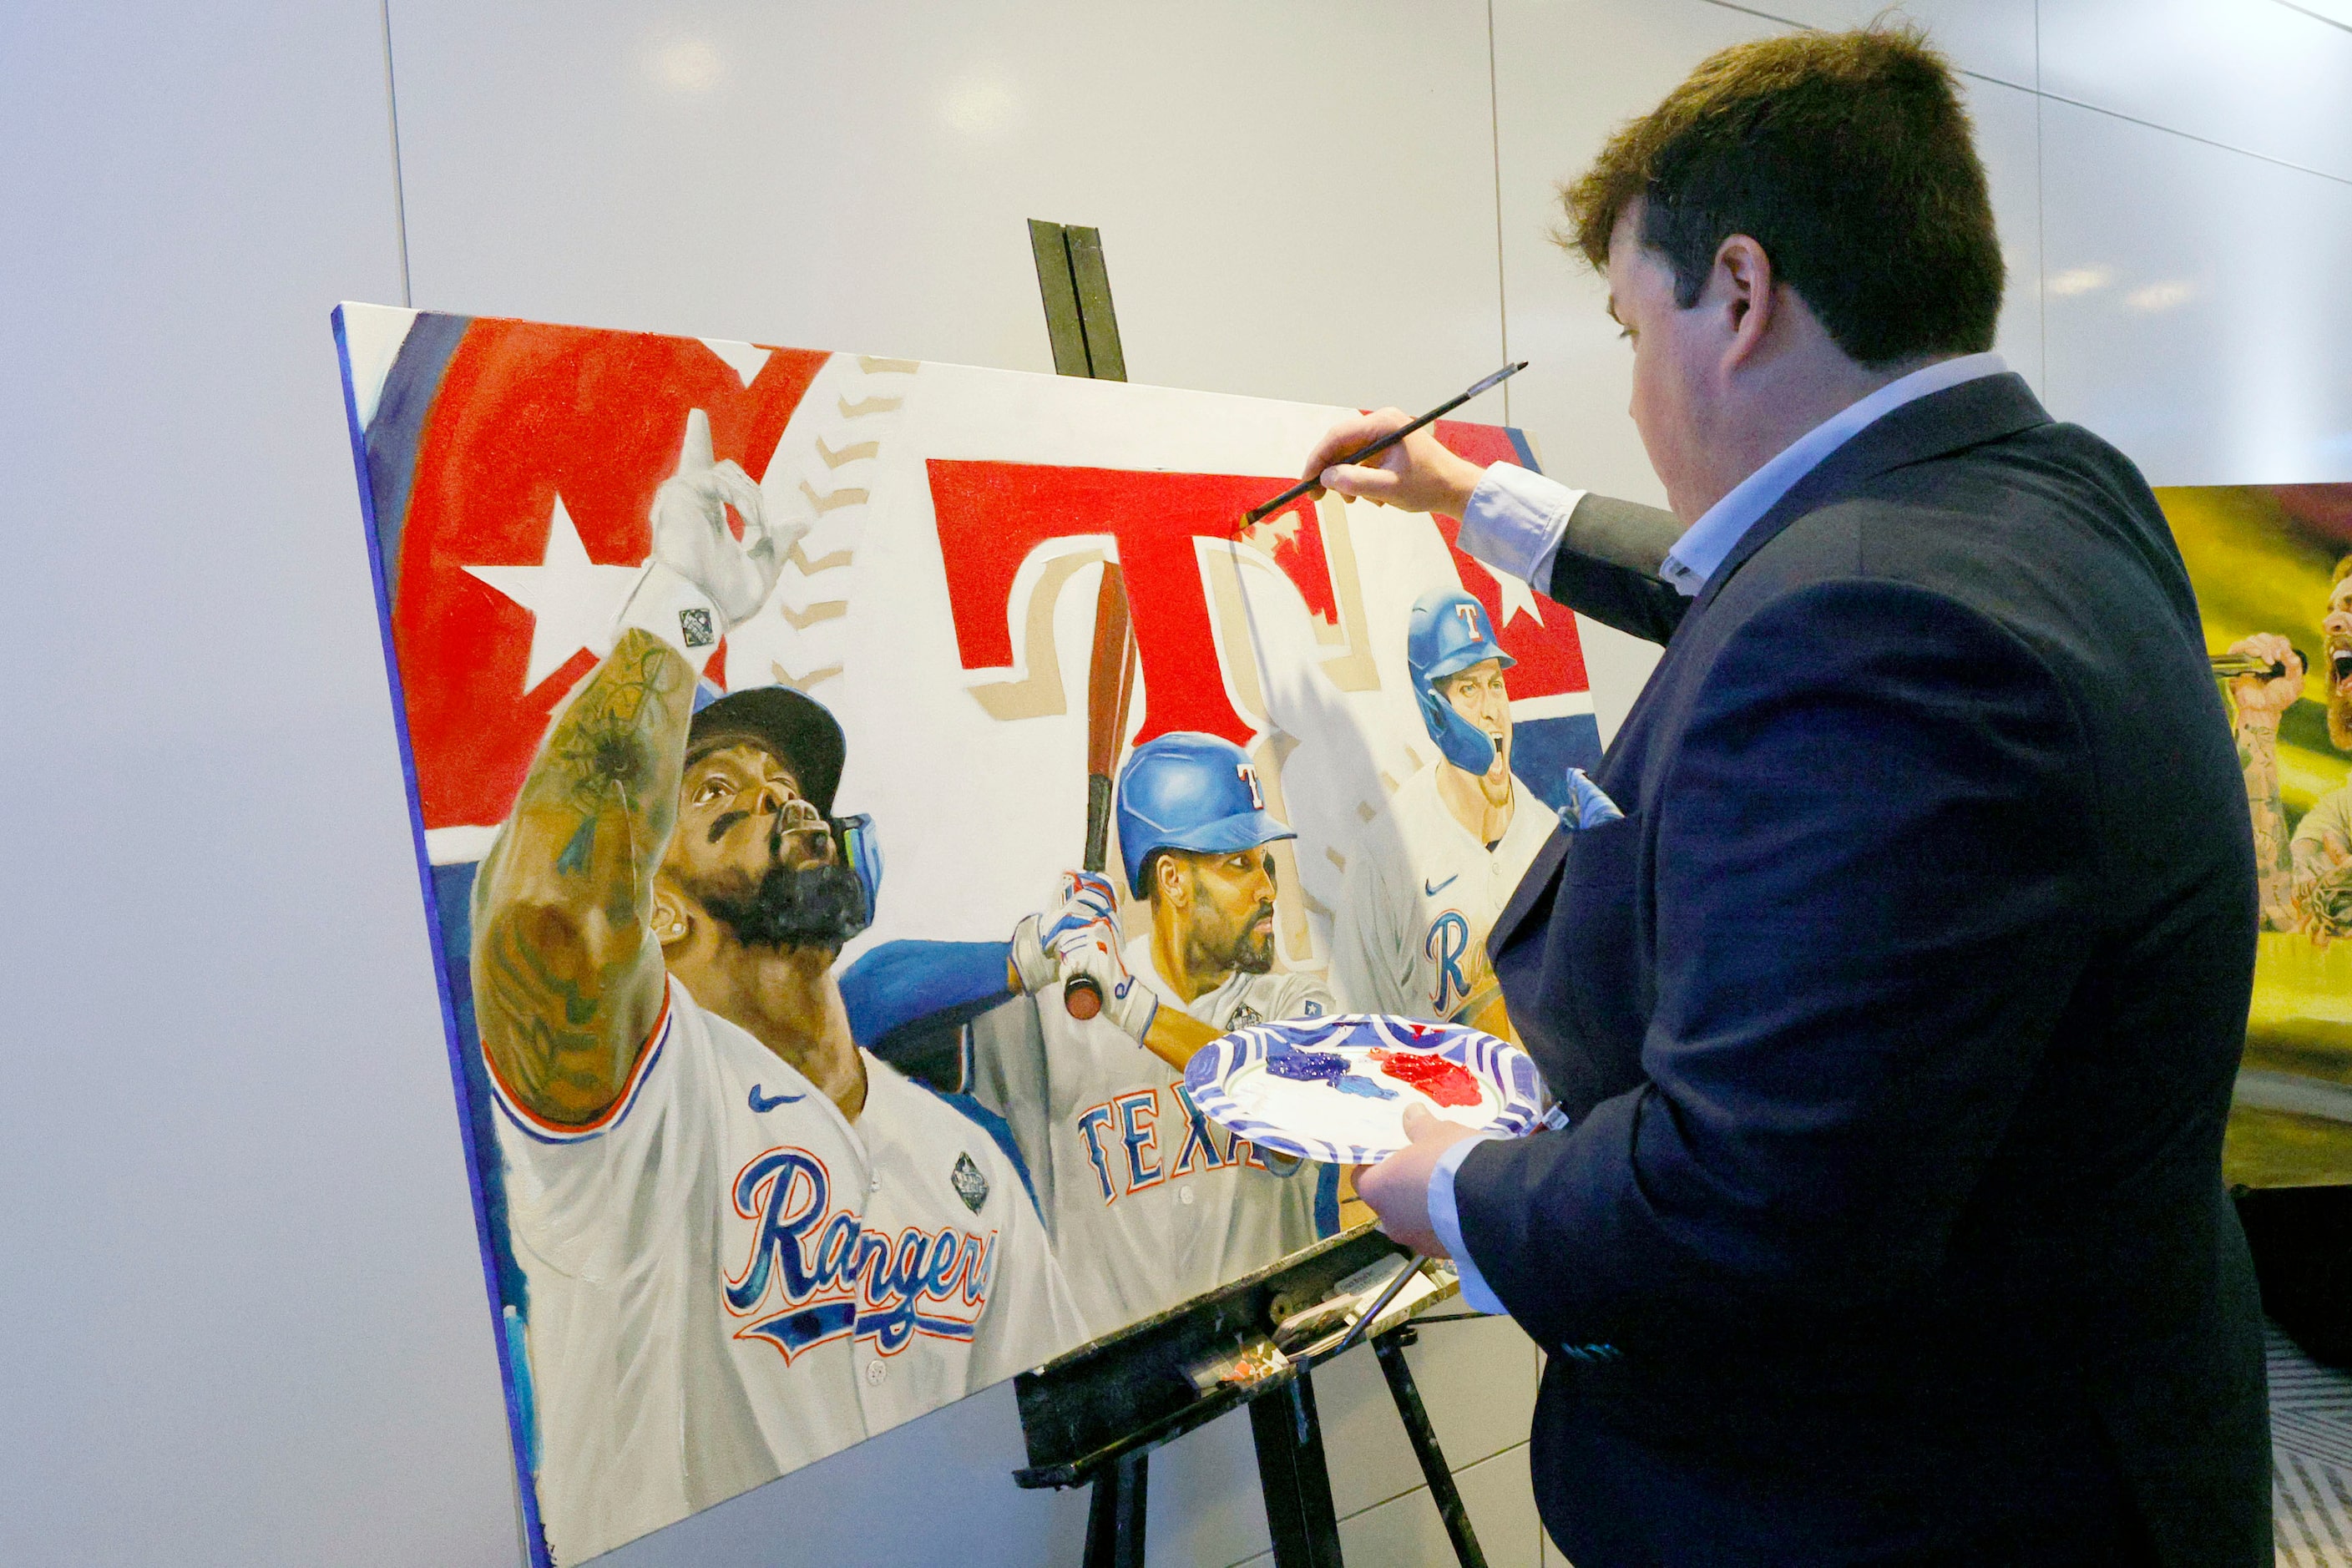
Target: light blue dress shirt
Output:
{"points": [[1515, 524]]}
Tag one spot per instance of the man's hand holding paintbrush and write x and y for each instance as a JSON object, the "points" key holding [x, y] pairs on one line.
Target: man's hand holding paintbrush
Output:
{"points": [[1417, 474], [1402, 446]]}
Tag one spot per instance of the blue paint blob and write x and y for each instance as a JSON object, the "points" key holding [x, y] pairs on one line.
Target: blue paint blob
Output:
{"points": [[1309, 1067], [1355, 1083]]}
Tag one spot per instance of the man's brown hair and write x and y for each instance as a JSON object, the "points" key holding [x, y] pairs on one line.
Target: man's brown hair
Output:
{"points": [[1847, 156]]}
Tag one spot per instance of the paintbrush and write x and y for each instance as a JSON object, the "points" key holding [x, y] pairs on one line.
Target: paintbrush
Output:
{"points": [[1412, 1270], [1258, 514]]}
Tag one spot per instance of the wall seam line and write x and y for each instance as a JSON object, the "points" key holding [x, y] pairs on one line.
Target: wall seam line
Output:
{"points": [[2041, 91], [2321, 20], [2192, 136], [1494, 129], [1423, 1487], [2040, 214], [399, 185]]}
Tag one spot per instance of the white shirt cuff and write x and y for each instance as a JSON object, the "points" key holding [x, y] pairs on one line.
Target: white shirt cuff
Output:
{"points": [[1515, 520], [1445, 1219]]}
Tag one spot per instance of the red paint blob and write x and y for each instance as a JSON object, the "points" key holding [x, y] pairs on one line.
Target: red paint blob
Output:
{"points": [[1446, 1082]]}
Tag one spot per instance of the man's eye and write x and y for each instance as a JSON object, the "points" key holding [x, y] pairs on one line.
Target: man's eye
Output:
{"points": [[716, 789]]}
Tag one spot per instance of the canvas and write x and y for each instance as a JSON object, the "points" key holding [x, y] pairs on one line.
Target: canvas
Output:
{"points": [[2272, 569], [688, 641]]}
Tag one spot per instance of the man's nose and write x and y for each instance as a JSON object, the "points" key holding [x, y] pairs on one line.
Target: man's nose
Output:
{"points": [[776, 798], [2338, 624]]}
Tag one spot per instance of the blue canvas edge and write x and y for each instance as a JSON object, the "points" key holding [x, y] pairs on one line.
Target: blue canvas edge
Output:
{"points": [[1519, 444], [534, 1537]]}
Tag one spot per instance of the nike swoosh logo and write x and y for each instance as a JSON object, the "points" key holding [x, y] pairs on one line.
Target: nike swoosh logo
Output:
{"points": [[1434, 889], [767, 1102]]}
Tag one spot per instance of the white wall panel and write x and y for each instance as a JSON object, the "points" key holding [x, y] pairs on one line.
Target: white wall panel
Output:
{"points": [[858, 177], [244, 1317], [1477, 1380], [1986, 38], [2252, 74], [1406, 1531], [2196, 314]]}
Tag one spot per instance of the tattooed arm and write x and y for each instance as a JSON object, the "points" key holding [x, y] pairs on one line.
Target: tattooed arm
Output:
{"points": [[2259, 702], [567, 977]]}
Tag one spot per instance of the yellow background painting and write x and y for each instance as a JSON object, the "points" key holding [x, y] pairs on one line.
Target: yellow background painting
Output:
{"points": [[2263, 559]]}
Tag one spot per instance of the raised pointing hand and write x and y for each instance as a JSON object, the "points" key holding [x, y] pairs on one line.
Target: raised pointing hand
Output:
{"points": [[690, 535]]}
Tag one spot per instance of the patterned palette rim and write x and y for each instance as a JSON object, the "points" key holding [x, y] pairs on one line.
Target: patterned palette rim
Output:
{"points": [[1502, 1067]]}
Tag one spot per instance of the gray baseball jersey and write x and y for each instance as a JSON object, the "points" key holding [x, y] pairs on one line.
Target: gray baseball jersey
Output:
{"points": [[729, 1278], [1149, 1202], [1419, 895]]}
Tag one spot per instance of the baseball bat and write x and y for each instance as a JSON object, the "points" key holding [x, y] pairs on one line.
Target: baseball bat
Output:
{"points": [[1110, 681]]}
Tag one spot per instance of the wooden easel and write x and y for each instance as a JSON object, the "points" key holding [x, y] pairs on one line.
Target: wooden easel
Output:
{"points": [[1093, 1415]]}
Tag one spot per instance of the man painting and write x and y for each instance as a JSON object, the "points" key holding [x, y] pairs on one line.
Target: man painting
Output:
{"points": [[1896, 1020]]}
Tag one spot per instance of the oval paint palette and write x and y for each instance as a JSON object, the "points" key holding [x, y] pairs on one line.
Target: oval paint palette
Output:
{"points": [[1335, 1090]]}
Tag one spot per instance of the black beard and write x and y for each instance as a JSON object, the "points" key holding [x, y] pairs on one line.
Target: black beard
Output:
{"points": [[794, 906], [2339, 719], [1252, 953]]}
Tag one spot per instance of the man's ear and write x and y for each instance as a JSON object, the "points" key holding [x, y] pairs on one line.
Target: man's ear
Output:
{"points": [[1743, 280], [673, 921], [1174, 885]]}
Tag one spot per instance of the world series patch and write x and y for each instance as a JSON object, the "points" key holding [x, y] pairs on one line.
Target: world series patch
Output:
{"points": [[970, 1184]]}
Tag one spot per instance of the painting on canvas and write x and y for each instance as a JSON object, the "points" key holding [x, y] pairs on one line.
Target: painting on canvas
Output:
{"points": [[2273, 568], [847, 790]]}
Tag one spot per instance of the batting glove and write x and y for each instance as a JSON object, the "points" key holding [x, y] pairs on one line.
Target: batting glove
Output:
{"points": [[1082, 898], [1092, 950], [699, 584]]}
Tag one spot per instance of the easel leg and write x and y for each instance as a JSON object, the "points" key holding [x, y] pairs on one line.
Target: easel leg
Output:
{"points": [[1115, 1515], [1390, 1348], [1297, 1481]]}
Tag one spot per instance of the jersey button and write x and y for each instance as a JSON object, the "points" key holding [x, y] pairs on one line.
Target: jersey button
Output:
{"points": [[875, 1371], [1184, 1196], [875, 1185]]}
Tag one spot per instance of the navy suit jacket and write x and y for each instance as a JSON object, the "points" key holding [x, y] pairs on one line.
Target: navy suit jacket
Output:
{"points": [[1898, 1020]]}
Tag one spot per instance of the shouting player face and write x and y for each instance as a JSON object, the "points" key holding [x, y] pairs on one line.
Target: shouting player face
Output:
{"points": [[756, 856], [1225, 903], [1476, 693]]}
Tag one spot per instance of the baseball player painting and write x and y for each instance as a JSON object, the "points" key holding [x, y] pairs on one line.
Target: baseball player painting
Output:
{"points": [[1435, 868], [1151, 1203], [747, 1242]]}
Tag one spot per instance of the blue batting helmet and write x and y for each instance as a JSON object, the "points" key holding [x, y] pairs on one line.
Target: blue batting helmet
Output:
{"points": [[1190, 790], [1449, 632]]}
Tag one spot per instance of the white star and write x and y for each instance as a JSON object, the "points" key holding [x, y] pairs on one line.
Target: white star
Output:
{"points": [[1517, 596], [745, 360], [571, 599]]}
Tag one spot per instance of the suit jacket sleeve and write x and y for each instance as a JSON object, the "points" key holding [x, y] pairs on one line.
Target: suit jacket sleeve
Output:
{"points": [[1607, 564], [1872, 849]]}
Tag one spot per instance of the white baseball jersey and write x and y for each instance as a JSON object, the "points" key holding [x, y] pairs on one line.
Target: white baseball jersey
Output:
{"points": [[729, 1278], [1150, 1202], [1420, 894]]}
